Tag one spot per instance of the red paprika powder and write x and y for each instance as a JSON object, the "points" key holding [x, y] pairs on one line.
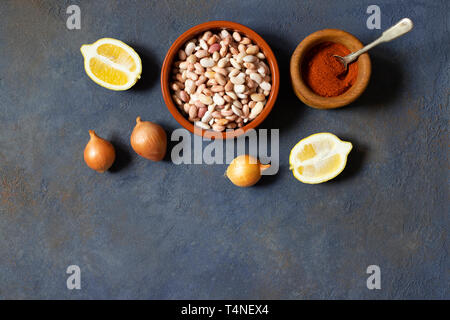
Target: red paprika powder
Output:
{"points": [[324, 74]]}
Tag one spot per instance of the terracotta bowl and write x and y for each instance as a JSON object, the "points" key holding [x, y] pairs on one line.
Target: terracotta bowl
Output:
{"points": [[303, 91], [172, 54]]}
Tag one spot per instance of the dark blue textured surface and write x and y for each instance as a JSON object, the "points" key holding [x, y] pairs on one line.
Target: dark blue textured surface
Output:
{"points": [[156, 230]]}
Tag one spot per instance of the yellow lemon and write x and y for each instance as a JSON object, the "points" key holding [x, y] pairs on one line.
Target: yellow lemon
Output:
{"points": [[111, 63], [319, 158]]}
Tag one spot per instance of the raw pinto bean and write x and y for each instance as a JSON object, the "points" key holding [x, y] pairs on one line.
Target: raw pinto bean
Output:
{"points": [[265, 86], [252, 50], [234, 73], [200, 88], [232, 117], [231, 94], [184, 96], [183, 65], [179, 77], [217, 88], [174, 86], [222, 63], [202, 125], [205, 99], [224, 34], [199, 105], [212, 40], [211, 82], [256, 77], [216, 114], [207, 35], [220, 70], [239, 88], [177, 100], [189, 49], [199, 68], [217, 127], [251, 84], [218, 100], [240, 57], [192, 75], [210, 74], [201, 113], [229, 86], [234, 51], [203, 44], [220, 78], [258, 97], [201, 80], [206, 117], [236, 36], [236, 110], [191, 59], [201, 54], [226, 42], [207, 92], [189, 86], [256, 110], [242, 95], [249, 58], [182, 55], [221, 122], [226, 113], [235, 64], [192, 112], [246, 110], [207, 62], [246, 41], [249, 65], [237, 104], [223, 51]]}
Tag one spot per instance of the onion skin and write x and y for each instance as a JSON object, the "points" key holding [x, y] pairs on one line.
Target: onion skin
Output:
{"points": [[245, 171], [149, 140], [99, 154]]}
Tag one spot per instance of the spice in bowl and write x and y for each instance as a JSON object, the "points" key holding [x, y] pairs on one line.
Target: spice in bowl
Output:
{"points": [[326, 75], [220, 80]]}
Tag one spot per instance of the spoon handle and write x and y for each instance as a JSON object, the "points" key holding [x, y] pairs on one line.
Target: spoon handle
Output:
{"points": [[403, 26], [400, 28]]}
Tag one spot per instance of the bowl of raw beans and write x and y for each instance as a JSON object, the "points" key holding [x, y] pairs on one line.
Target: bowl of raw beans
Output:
{"points": [[220, 79]]}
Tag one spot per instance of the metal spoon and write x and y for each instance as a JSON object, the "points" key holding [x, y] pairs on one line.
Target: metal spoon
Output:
{"points": [[403, 26]]}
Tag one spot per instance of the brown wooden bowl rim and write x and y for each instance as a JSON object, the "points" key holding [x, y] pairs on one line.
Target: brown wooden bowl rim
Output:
{"points": [[189, 34], [302, 90]]}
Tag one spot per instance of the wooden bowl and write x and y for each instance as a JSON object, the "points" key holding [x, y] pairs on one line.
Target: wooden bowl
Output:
{"points": [[301, 88], [172, 54]]}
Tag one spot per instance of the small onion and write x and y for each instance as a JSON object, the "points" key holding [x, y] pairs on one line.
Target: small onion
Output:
{"points": [[99, 154], [149, 140], [245, 170]]}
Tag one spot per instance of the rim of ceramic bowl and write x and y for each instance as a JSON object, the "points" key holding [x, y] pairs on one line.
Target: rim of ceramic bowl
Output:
{"points": [[172, 53], [304, 92]]}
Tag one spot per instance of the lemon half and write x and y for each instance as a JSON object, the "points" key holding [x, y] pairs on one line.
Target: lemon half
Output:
{"points": [[111, 63], [319, 158]]}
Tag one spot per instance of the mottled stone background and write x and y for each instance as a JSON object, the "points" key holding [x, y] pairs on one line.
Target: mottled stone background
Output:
{"points": [[156, 230]]}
